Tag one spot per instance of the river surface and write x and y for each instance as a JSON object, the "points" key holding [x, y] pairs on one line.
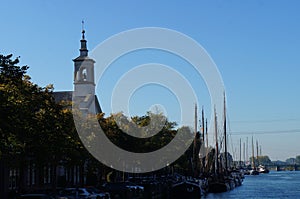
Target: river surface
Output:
{"points": [[282, 184]]}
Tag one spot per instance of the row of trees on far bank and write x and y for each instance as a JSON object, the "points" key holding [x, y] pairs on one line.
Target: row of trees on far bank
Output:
{"points": [[293, 160], [265, 160]]}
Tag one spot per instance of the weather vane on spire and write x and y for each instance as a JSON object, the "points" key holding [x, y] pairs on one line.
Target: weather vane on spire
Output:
{"points": [[83, 31]]}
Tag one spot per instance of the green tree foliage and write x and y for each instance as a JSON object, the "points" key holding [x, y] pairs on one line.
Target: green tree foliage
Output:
{"points": [[16, 106], [31, 123], [165, 133], [263, 160], [291, 161], [298, 159]]}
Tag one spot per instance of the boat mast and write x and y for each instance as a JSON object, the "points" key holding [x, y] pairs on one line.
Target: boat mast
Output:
{"points": [[257, 152], [253, 165], [217, 145], [260, 150], [195, 119], [203, 141], [206, 133], [196, 148], [194, 160], [244, 155], [247, 152], [225, 135], [206, 149], [240, 163]]}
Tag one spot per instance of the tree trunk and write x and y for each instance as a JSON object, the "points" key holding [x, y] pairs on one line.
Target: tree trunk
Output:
{"points": [[54, 175]]}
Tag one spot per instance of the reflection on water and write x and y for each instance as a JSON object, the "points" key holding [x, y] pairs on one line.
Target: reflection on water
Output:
{"points": [[282, 184]]}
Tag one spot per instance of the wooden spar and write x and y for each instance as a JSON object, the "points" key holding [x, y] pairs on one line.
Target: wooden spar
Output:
{"points": [[194, 160], [203, 141], [247, 153], [257, 152], [253, 164], [240, 163], [225, 135], [244, 154], [217, 145], [206, 133], [195, 119]]}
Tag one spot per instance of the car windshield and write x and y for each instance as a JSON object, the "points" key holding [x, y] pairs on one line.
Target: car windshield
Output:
{"points": [[81, 192], [67, 192], [34, 197], [93, 190]]}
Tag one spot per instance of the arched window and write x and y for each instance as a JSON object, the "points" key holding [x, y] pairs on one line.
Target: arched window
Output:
{"points": [[84, 74]]}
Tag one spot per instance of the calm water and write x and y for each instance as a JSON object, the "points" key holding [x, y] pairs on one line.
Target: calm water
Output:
{"points": [[282, 184]]}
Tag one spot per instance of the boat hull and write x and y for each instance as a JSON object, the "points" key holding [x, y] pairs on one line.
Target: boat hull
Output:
{"points": [[254, 172], [218, 187], [186, 190]]}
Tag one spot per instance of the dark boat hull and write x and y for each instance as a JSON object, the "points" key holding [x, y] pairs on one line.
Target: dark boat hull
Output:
{"points": [[218, 187], [186, 190], [254, 172]]}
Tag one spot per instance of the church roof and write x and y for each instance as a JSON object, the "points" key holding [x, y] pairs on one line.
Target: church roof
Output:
{"points": [[67, 96], [62, 96], [83, 58]]}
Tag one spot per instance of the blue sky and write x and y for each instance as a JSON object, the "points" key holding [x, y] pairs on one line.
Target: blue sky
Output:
{"points": [[255, 45]]}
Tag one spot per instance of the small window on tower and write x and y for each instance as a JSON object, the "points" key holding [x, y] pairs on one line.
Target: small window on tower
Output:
{"points": [[84, 75]]}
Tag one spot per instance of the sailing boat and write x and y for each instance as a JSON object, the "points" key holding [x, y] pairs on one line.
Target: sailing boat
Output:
{"points": [[254, 170], [187, 187], [218, 183], [260, 168], [190, 187], [225, 179]]}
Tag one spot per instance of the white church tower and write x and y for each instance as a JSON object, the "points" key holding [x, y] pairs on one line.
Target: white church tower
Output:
{"points": [[84, 82]]}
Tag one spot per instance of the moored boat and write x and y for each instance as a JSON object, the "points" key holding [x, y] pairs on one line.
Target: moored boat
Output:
{"points": [[186, 189], [218, 186], [254, 172], [263, 169], [223, 179]]}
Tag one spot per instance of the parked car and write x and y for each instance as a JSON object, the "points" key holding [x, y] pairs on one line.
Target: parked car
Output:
{"points": [[34, 196], [82, 193], [98, 192], [121, 190]]}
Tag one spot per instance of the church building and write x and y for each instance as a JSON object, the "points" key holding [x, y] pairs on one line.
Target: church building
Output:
{"points": [[84, 83]]}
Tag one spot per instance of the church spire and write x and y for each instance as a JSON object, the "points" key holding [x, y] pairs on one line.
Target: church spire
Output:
{"points": [[83, 49], [84, 80], [83, 31]]}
